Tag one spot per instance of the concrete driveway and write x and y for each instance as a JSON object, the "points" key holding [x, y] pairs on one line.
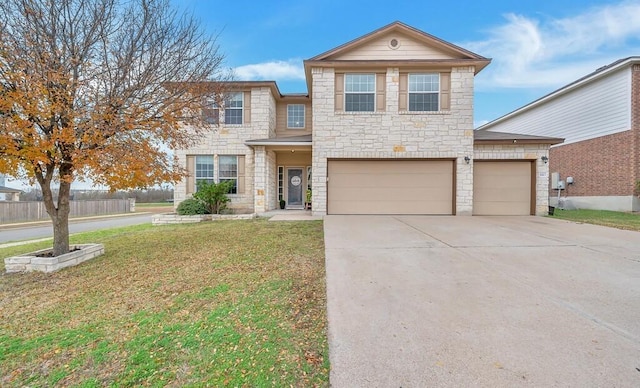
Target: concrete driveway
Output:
{"points": [[481, 301]]}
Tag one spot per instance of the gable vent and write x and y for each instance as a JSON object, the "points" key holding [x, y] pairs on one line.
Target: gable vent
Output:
{"points": [[394, 43]]}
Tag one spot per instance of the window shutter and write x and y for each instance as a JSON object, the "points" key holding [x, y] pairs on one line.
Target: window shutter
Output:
{"points": [[381, 86], [191, 171], [339, 104], [247, 107], [241, 174], [445, 91], [403, 95]]}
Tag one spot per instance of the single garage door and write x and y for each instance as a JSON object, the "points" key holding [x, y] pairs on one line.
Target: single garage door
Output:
{"points": [[390, 187], [502, 188]]}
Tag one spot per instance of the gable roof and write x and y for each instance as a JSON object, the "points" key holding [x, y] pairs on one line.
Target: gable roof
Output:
{"points": [[398, 26], [593, 76], [459, 55]]}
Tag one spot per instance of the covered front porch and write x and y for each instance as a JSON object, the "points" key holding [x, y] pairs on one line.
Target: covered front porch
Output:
{"points": [[282, 173]]}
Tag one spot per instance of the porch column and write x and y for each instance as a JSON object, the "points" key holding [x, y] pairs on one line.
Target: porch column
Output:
{"points": [[260, 179]]}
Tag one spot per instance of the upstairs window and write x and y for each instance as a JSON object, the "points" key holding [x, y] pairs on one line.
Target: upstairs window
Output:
{"points": [[424, 92], [211, 112], [228, 170], [204, 169], [295, 116], [359, 92], [233, 111]]}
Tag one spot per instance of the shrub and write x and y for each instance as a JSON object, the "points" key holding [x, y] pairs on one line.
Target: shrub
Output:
{"points": [[214, 195], [191, 206]]}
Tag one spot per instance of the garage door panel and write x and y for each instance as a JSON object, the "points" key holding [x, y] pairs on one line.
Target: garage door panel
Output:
{"points": [[502, 188], [390, 187], [391, 193], [376, 207], [389, 180]]}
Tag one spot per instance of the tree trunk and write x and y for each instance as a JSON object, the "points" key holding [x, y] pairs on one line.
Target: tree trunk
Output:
{"points": [[61, 221], [59, 214], [61, 232]]}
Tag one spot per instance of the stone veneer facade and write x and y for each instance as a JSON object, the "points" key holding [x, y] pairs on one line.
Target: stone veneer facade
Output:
{"points": [[533, 152], [392, 134], [229, 140]]}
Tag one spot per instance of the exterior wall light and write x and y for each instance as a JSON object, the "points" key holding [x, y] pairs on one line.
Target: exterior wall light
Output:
{"points": [[544, 159], [467, 159]]}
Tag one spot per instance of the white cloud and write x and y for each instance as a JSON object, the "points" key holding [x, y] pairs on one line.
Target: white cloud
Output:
{"points": [[291, 69], [537, 52]]}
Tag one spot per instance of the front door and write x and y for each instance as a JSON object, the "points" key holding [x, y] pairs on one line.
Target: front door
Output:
{"points": [[295, 188]]}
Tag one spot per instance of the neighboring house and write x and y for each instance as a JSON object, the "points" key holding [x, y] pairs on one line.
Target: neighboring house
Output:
{"points": [[387, 128], [599, 117], [7, 193]]}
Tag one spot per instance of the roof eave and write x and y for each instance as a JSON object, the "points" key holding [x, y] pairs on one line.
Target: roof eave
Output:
{"points": [[561, 91], [550, 141]]}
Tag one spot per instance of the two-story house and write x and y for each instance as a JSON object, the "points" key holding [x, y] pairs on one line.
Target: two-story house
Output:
{"points": [[598, 115], [386, 128]]}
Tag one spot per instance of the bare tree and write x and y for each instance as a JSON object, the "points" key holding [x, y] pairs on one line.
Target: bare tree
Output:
{"points": [[99, 89]]}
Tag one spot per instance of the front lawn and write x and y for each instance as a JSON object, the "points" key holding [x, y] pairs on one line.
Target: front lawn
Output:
{"points": [[225, 303], [620, 220]]}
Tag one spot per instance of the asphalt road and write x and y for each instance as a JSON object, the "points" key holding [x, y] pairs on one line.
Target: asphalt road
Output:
{"points": [[44, 231]]}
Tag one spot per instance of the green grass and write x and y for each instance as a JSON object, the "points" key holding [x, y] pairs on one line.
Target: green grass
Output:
{"points": [[225, 303], [620, 220], [154, 204]]}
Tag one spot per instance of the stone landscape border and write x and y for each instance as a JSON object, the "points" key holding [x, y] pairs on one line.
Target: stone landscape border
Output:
{"points": [[31, 262], [173, 218]]}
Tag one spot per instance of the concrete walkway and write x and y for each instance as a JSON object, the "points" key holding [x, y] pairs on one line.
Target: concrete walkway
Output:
{"points": [[481, 301]]}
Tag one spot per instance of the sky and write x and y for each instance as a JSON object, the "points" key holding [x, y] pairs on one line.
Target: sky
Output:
{"points": [[536, 46]]}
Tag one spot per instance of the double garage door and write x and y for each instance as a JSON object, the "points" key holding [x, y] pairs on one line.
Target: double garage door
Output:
{"points": [[423, 187]]}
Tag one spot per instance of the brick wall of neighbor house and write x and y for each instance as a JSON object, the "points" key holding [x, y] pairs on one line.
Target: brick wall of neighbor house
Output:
{"points": [[635, 120], [526, 151], [602, 166], [390, 134], [229, 140]]}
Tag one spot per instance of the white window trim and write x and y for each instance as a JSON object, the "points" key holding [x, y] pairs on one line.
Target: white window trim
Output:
{"points": [[219, 178], [375, 88], [409, 92], [241, 109], [304, 112], [195, 173]]}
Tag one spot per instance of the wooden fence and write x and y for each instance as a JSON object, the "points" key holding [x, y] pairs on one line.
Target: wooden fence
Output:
{"points": [[35, 211]]}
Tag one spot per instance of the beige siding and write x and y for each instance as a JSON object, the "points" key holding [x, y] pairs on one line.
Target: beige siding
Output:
{"points": [[502, 188], [409, 49], [281, 119], [390, 187]]}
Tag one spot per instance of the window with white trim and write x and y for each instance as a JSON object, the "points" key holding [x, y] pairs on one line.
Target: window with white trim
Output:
{"points": [[204, 169], [228, 171], [295, 116], [424, 92], [233, 111], [211, 112], [280, 183], [359, 92]]}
